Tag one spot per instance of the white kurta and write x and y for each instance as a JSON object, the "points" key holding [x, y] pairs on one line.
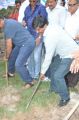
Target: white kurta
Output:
{"points": [[57, 15], [57, 42], [72, 24]]}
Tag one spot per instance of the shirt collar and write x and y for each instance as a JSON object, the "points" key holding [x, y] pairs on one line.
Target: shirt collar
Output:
{"points": [[56, 7], [76, 13], [37, 4]]}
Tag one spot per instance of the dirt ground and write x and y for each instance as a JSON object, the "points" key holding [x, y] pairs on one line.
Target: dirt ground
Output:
{"points": [[10, 97]]}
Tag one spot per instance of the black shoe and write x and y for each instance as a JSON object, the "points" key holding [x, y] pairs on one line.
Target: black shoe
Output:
{"points": [[10, 74], [63, 102]]}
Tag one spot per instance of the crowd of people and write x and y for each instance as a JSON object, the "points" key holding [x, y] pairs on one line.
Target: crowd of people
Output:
{"points": [[42, 40]]}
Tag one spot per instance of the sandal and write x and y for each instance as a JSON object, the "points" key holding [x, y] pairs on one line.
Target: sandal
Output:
{"points": [[28, 85]]}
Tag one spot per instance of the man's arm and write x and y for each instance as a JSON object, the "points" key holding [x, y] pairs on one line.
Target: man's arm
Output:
{"points": [[50, 49], [8, 47]]}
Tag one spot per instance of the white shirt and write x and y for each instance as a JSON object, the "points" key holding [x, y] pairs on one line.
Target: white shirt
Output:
{"points": [[57, 42], [57, 15], [22, 9], [72, 24]]}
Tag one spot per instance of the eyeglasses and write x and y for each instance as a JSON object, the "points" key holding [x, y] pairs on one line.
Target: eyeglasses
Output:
{"points": [[72, 5]]}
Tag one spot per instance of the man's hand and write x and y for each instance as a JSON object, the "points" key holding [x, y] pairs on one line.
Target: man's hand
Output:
{"points": [[75, 63], [74, 68], [23, 23], [42, 76], [77, 37]]}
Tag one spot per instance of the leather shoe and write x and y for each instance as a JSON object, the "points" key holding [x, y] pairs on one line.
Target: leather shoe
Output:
{"points": [[63, 102], [10, 74]]}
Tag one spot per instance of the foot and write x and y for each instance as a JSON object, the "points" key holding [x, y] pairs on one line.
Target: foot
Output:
{"points": [[10, 75], [63, 102], [46, 79], [27, 85], [34, 81]]}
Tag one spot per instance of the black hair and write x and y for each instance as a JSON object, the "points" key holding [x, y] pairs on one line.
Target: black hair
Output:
{"points": [[63, 2], [39, 21], [17, 1]]}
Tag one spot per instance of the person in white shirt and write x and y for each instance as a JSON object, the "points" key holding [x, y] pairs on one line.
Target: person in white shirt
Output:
{"points": [[72, 20], [56, 13], [57, 42], [23, 6]]}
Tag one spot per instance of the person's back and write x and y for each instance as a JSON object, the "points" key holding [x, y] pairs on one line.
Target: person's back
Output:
{"points": [[24, 43], [12, 27], [62, 44]]}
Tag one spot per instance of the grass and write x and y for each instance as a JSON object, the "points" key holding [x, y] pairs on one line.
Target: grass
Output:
{"points": [[41, 98]]}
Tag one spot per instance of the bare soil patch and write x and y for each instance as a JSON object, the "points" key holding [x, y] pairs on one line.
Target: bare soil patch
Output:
{"points": [[10, 97]]}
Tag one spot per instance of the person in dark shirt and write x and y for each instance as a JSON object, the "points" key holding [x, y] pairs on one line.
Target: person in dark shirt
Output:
{"points": [[34, 9], [15, 33]]}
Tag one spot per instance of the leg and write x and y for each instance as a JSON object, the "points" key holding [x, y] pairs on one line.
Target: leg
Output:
{"points": [[34, 62], [12, 60], [51, 71], [37, 59], [31, 65], [59, 80], [24, 53]]}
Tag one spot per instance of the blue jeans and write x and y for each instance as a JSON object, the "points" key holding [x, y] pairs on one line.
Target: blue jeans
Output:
{"points": [[34, 62], [59, 68], [24, 53], [12, 59], [18, 58]]}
